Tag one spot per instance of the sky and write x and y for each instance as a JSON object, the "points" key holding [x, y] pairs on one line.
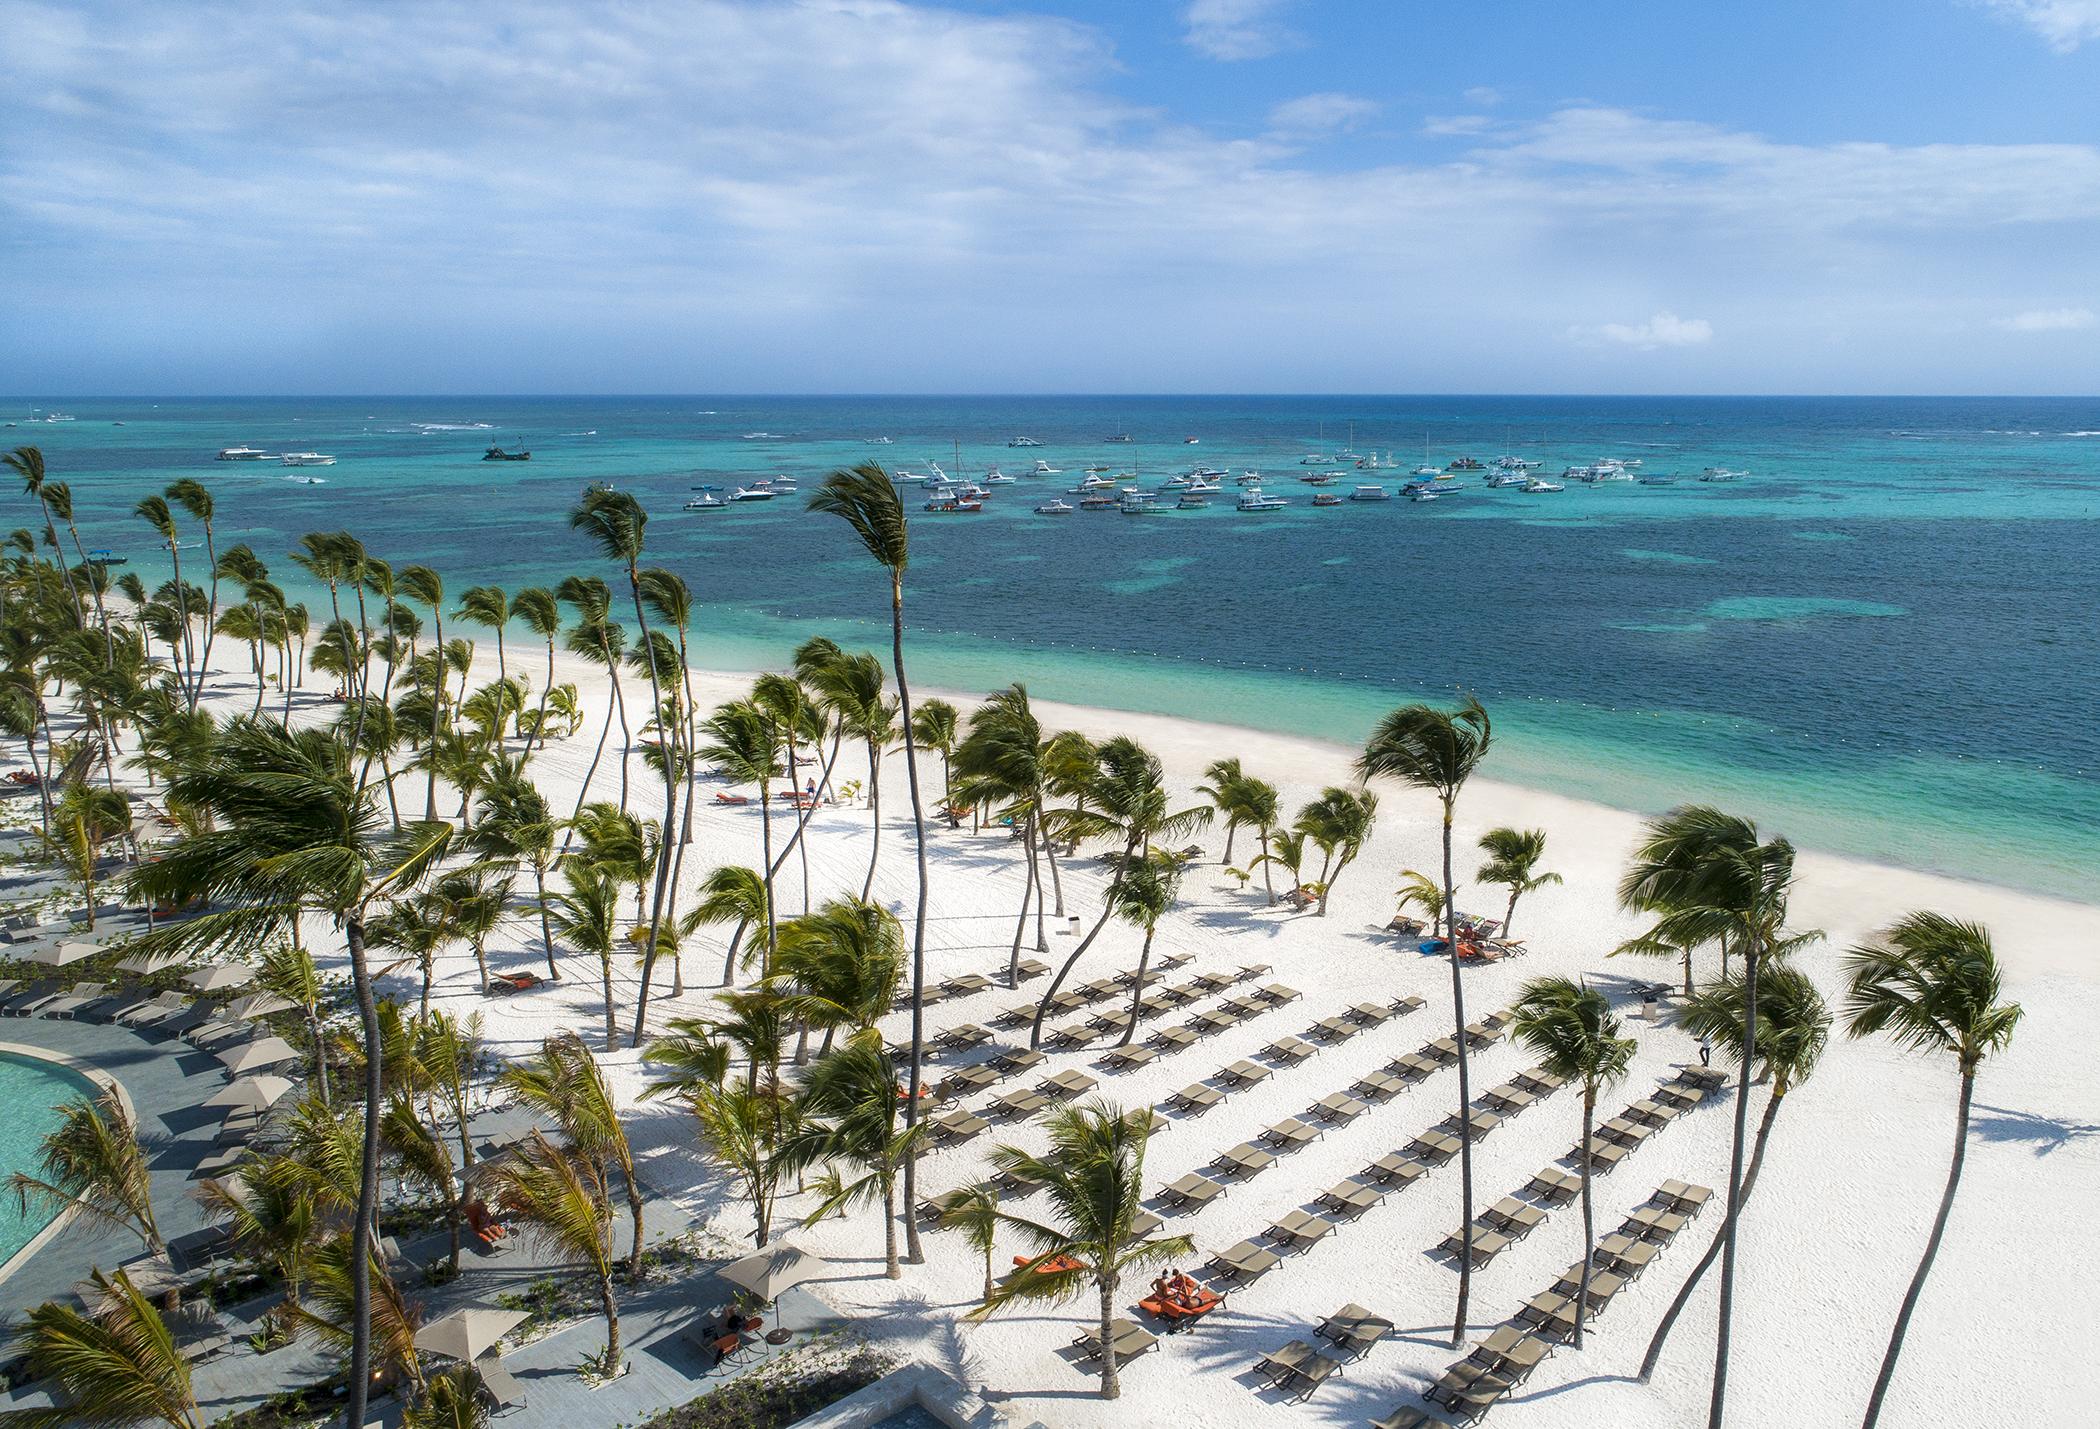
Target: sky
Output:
{"points": [[1793, 196]]}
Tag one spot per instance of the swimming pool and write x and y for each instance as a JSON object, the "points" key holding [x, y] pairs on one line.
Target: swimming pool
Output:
{"points": [[31, 1091]]}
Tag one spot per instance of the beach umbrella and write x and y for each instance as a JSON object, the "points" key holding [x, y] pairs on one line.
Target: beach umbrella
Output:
{"points": [[253, 1056], [143, 963], [153, 1276], [468, 1334], [58, 955], [771, 1272], [256, 1004], [219, 976], [251, 1093]]}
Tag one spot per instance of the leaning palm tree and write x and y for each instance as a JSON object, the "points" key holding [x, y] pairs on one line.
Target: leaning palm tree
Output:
{"points": [[1257, 805], [1419, 890], [1144, 895], [866, 500], [1931, 983], [329, 1313], [84, 819], [541, 612], [1094, 1174], [586, 917], [1575, 1035], [1219, 777], [195, 498], [426, 587], [751, 1133], [565, 1081], [517, 827], [1513, 861], [746, 744], [28, 463], [271, 1214], [557, 1203], [91, 1162], [452, 1400], [487, 606], [1339, 824], [974, 1211], [117, 1362], [839, 968], [936, 726], [1000, 764], [153, 510], [1792, 1027], [1438, 750], [851, 1096], [733, 894]]}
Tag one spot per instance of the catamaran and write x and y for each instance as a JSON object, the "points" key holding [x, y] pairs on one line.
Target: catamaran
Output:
{"points": [[1252, 499]]}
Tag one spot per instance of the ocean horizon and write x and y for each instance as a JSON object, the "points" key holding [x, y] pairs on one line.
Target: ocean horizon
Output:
{"points": [[1878, 640]]}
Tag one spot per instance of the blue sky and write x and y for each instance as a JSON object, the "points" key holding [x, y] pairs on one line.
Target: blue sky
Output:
{"points": [[1206, 195]]}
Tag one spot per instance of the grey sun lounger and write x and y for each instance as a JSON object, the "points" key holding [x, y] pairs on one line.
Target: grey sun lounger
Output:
{"points": [[1684, 1098], [1172, 1039], [1539, 1082], [1068, 1083], [1289, 1049], [1211, 982], [1369, 1014], [64, 1005], [1244, 1073], [1299, 1229], [932, 1208], [1338, 1106], [1021, 1101], [1603, 1285], [1193, 1190], [1246, 1261], [1603, 1154], [1245, 1159], [1213, 1021], [962, 1039], [1125, 1059], [1654, 1223], [1276, 994], [1019, 1015], [965, 985], [1126, 1339], [1443, 1051], [1396, 1169], [1406, 1416], [1070, 1036], [1510, 1352], [1196, 1097], [1513, 1218], [1483, 1122], [1407, 1003], [1509, 1098], [1335, 1029], [1290, 1132], [957, 1126], [965, 1080], [1411, 1066], [1554, 1186], [1351, 1196], [1435, 1147], [499, 1383], [1356, 1327], [1625, 1255], [1110, 1022], [1679, 1196], [1487, 1244], [1029, 969], [1382, 1085], [1018, 1059], [1653, 1113], [1482, 1034]]}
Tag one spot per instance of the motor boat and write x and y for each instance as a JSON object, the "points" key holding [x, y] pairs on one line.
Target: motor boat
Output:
{"points": [[1508, 478], [707, 501], [1465, 463], [505, 454], [1327, 498], [1318, 478], [1191, 501], [1538, 484], [1024, 442], [1317, 459], [1370, 493], [1099, 501], [1721, 473], [996, 477], [308, 459], [1422, 493], [237, 453], [1094, 483], [1121, 437], [1136, 503], [1198, 486], [758, 492], [1055, 506], [1043, 468], [1253, 499]]}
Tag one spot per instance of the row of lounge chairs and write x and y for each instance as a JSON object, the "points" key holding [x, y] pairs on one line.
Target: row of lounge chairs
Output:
{"points": [[1624, 1134], [1299, 1367]]}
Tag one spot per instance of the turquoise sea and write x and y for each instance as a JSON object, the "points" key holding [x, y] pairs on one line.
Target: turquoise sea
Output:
{"points": [[1883, 640]]}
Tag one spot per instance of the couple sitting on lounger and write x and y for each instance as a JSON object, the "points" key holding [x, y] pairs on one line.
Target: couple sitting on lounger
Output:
{"points": [[1178, 1293], [480, 1220]]}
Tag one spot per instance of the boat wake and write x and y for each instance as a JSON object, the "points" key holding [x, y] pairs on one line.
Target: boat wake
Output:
{"points": [[454, 426]]}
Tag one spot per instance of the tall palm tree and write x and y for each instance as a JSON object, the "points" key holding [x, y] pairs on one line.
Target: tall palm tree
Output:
{"points": [[288, 970], [487, 606], [1931, 984], [293, 830], [1219, 777], [566, 1082], [453, 1400], [839, 967], [752, 1134], [1710, 876], [733, 894], [82, 822], [1793, 1026], [271, 1215], [688, 1056], [91, 1162], [58, 500], [118, 1362], [426, 587], [745, 744], [1575, 1034], [974, 1211], [586, 917], [787, 705], [1339, 824], [936, 726], [1094, 1175], [1437, 750], [1001, 764], [850, 688], [541, 612], [1126, 801], [195, 499], [866, 500], [416, 928], [1259, 807], [153, 510], [558, 1204], [329, 1311], [852, 1096], [1513, 861], [28, 463], [472, 899], [1144, 895], [517, 827]]}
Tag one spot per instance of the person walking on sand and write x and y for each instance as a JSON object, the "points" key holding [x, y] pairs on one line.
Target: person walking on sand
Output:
{"points": [[1706, 1052]]}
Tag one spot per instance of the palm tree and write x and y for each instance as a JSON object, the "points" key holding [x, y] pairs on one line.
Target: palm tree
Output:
{"points": [[974, 1211], [271, 1215], [1419, 890], [453, 1400], [1575, 1035], [787, 706], [541, 612], [746, 745], [751, 1133], [473, 899], [153, 510], [426, 587], [599, 640], [850, 689], [1001, 763], [838, 967], [195, 498], [1219, 778], [118, 1362], [1257, 805], [288, 970], [91, 1162], [1128, 801], [1931, 983], [566, 1082], [1710, 876], [1513, 860], [58, 501], [690, 1057], [936, 727], [852, 1095], [293, 830], [416, 928], [559, 1205], [28, 463], [586, 917], [517, 827], [1094, 1174], [1144, 895], [1339, 825], [866, 500], [84, 819], [487, 605], [735, 894], [1438, 750], [329, 1312], [1792, 1027]]}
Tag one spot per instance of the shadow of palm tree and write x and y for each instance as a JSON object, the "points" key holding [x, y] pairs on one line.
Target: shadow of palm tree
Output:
{"points": [[2046, 1134]]}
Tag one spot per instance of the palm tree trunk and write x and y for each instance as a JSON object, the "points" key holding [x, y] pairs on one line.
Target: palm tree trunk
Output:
{"points": [[1013, 958], [365, 1223], [671, 761], [539, 723], [1137, 989], [584, 792], [802, 816], [1735, 1185], [918, 932], [437, 710], [765, 838], [1111, 1384], [1108, 904], [729, 964], [1057, 882], [1932, 1249], [1267, 882], [1509, 912], [1713, 1247], [1465, 1093], [539, 882], [626, 734], [634, 1209], [874, 818], [1589, 1215], [612, 1029], [1232, 831], [891, 1270], [612, 1325]]}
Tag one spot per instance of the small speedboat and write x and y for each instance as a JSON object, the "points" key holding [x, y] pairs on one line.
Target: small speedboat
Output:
{"points": [[1138, 504], [1043, 468], [1422, 493], [1123, 437], [1327, 498], [1191, 441], [1720, 473], [1191, 501], [1539, 485], [1055, 506], [757, 492], [1099, 501], [707, 501], [1024, 442], [235, 453], [307, 459], [502, 454]]}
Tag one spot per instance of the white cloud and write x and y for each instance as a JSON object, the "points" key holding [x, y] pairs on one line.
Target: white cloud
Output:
{"points": [[1237, 29], [1483, 95], [2064, 24], [1461, 126], [2049, 320], [1313, 114], [1665, 329]]}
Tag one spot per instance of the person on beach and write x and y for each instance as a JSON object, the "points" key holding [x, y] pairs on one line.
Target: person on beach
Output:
{"points": [[1706, 1052]]}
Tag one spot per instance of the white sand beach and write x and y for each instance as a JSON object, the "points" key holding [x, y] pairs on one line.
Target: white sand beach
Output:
{"points": [[1854, 1173]]}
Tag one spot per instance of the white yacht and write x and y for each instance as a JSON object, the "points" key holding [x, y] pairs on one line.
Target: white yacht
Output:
{"points": [[307, 459], [1422, 493], [779, 485], [1370, 493], [1043, 468], [1055, 506], [1199, 486], [243, 454], [1137, 503], [1508, 478], [1024, 442], [996, 477], [1539, 484], [1120, 437], [707, 501], [758, 492], [1317, 459], [1721, 473], [880, 442], [1252, 499]]}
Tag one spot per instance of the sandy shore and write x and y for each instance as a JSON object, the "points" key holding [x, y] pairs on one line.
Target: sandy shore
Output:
{"points": [[1850, 1185]]}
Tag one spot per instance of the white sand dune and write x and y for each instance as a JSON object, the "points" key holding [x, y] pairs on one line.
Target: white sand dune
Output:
{"points": [[1851, 1183]]}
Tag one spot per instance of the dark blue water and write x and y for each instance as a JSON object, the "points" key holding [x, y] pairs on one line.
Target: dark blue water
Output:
{"points": [[1883, 638]]}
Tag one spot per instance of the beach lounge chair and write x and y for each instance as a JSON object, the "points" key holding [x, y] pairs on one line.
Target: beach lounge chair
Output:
{"points": [[1352, 1197], [1654, 1223], [64, 1006], [957, 1126], [732, 800], [1210, 982], [1019, 1015], [1246, 1159], [1015, 1183], [1684, 1098], [1279, 1365], [1215, 1020], [1172, 962], [1604, 1284], [499, 1384], [1019, 1102], [966, 985], [1483, 1122], [1411, 1067], [1194, 1191], [160, 1006], [932, 1208], [1243, 1007], [1195, 1097], [1110, 1024], [1604, 1155], [1709, 1078], [1538, 1081], [1246, 1261], [1487, 1244], [1509, 1098], [1029, 969], [1653, 1113], [1180, 1314], [964, 1038], [1291, 1133], [1068, 1083], [1355, 1327], [1554, 1186], [1172, 996], [1381, 1086], [1335, 1029], [1369, 1014], [1468, 1389], [1069, 1037], [1625, 1255], [1396, 1170], [1099, 988], [1434, 1147], [1679, 1196], [1070, 1000], [1276, 994], [1407, 1003], [1244, 1073], [13, 1004], [1407, 1416], [1016, 1059], [1158, 1004], [1443, 1051], [1338, 1106], [1513, 1218], [1172, 1039], [1405, 926], [1482, 1034], [1511, 1353], [1289, 1049], [1125, 1059], [1126, 1339], [1300, 1229], [1252, 972]]}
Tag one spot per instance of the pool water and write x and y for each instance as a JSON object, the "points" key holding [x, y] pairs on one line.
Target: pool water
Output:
{"points": [[914, 1416], [31, 1092]]}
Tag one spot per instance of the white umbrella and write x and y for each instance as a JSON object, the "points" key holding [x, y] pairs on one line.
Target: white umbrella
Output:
{"points": [[251, 1093], [57, 955], [145, 963], [252, 1056], [468, 1334], [257, 1004], [220, 976]]}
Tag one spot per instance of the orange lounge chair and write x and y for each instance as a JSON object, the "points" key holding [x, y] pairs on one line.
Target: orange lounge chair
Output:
{"points": [[1178, 1314], [731, 799], [514, 982]]}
